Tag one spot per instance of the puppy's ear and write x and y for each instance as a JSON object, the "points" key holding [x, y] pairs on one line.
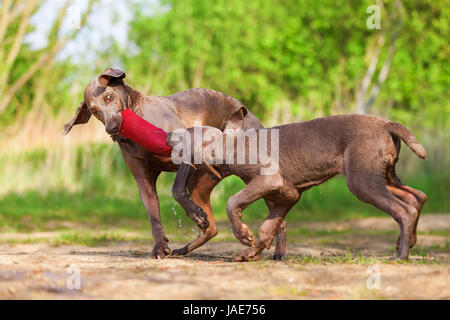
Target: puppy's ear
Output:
{"points": [[82, 115], [236, 119], [110, 75]]}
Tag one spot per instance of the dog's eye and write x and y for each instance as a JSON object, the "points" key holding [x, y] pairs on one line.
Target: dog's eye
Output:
{"points": [[109, 97]]}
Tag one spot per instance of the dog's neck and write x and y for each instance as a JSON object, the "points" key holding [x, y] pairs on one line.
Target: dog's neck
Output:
{"points": [[134, 98]]}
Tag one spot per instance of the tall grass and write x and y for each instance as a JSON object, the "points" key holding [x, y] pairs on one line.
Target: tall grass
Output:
{"points": [[83, 178]]}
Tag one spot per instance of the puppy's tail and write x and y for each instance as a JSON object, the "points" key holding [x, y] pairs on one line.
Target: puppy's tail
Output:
{"points": [[410, 139]]}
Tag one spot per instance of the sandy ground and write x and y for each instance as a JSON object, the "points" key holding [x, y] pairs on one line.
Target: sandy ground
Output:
{"points": [[126, 271]]}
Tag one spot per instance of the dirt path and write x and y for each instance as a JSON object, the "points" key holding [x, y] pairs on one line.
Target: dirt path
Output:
{"points": [[124, 270]]}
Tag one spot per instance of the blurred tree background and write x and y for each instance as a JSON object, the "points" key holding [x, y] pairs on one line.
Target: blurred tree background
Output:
{"points": [[301, 59], [286, 60]]}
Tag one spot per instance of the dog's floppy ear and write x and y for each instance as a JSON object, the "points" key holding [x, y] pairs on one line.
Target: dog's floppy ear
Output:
{"points": [[110, 74], [236, 119], [81, 116]]}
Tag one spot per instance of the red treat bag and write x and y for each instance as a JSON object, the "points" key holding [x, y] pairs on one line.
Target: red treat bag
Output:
{"points": [[144, 133]]}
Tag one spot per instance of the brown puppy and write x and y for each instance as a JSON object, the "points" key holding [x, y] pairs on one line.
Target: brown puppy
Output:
{"points": [[108, 94], [363, 148]]}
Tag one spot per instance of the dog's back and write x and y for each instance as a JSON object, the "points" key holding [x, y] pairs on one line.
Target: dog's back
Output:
{"points": [[314, 151]]}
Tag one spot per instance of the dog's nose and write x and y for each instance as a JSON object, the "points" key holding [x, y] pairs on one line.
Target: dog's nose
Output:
{"points": [[112, 128]]}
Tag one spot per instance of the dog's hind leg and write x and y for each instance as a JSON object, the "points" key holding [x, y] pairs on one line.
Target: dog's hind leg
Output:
{"points": [[409, 195], [281, 237], [371, 188], [281, 242], [422, 198]]}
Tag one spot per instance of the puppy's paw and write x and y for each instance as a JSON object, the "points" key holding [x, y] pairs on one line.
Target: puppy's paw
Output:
{"points": [[245, 235], [247, 255]]}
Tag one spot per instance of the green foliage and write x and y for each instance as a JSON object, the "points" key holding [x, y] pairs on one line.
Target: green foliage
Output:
{"points": [[312, 54]]}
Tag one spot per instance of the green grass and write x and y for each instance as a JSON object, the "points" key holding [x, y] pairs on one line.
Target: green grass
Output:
{"points": [[350, 258], [88, 238], [32, 211], [426, 251]]}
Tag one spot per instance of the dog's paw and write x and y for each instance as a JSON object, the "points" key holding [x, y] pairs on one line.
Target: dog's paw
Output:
{"points": [[200, 218], [247, 255], [179, 252], [245, 235], [161, 249], [398, 257], [278, 257]]}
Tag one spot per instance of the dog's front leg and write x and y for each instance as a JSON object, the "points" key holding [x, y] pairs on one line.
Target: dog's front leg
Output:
{"points": [[149, 197], [266, 232], [146, 180], [183, 198]]}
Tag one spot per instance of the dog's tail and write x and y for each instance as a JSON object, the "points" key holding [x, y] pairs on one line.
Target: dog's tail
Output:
{"points": [[410, 139]]}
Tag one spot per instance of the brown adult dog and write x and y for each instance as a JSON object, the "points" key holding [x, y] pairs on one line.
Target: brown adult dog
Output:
{"points": [[108, 94], [363, 148]]}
